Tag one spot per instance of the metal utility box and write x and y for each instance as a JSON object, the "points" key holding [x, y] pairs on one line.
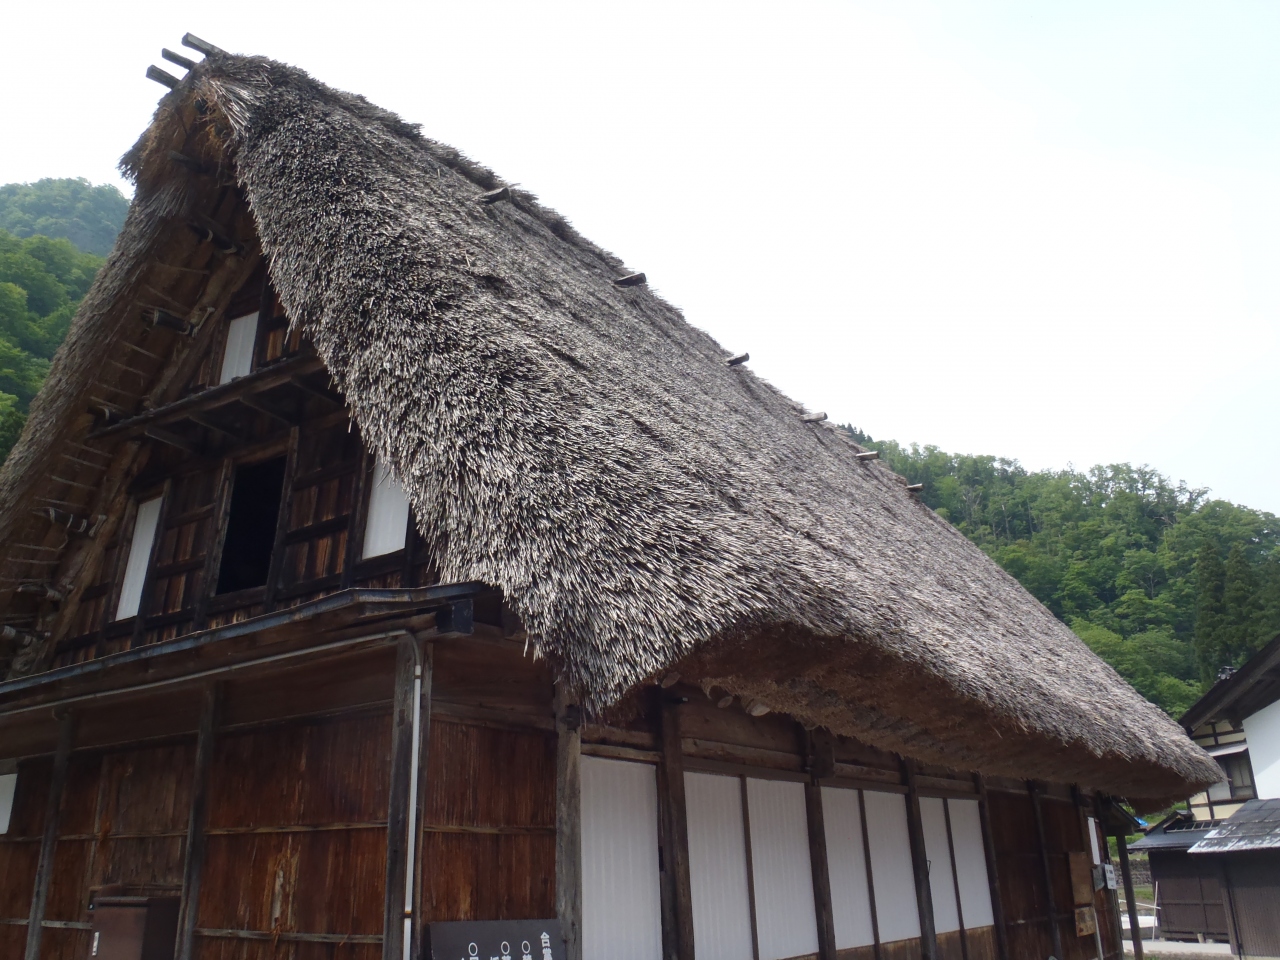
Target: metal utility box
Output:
{"points": [[133, 928]]}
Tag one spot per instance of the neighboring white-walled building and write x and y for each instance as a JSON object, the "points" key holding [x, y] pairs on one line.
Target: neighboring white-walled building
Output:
{"points": [[1238, 723]]}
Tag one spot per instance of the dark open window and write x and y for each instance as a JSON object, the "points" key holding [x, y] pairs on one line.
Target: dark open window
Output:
{"points": [[251, 526]]}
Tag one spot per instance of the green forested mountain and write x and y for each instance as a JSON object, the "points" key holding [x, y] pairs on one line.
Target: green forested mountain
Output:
{"points": [[1166, 584], [45, 227], [70, 209]]}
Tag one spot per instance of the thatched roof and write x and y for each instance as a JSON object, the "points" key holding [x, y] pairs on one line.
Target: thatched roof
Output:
{"points": [[641, 504]]}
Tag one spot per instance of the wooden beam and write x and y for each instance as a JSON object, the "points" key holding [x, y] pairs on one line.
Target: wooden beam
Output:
{"points": [[1131, 903], [993, 869], [920, 865], [257, 382], [569, 822], [677, 831], [821, 872], [1055, 934], [49, 839], [216, 540], [193, 863], [399, 802]]}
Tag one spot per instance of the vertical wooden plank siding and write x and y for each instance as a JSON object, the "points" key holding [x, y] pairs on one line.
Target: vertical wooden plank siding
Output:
{"points": [[1042, 842], [398, 802], [193, 863], [1127, 876], [993, 872], [920, 865], [677, 831], [821, 873], [569, 823], [44, 867]]}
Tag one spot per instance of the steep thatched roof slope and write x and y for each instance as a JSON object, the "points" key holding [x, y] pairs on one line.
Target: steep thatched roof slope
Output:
{"points": [[641, 504]]}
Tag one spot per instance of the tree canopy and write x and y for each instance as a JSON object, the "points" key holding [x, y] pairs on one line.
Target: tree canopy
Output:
{"points": [[70, 209], [1166, 584]]}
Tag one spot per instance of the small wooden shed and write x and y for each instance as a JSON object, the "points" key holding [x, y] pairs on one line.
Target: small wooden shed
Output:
{"points": [[381, 554]]}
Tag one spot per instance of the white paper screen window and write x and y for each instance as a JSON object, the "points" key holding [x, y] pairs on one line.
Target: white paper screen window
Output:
{"points": [[388, 520], [237, 359], [718, 867], [937, 850], [8, 787], [971, 863], [786, 925], [135, 571], [621, 893], [847, 866], [891, 870]]}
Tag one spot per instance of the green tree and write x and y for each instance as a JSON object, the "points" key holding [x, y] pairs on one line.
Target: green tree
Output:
{"points": [[73, 209]]}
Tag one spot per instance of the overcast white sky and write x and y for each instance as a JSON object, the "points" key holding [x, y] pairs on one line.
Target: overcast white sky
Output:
{"points": [[1041, 230]]}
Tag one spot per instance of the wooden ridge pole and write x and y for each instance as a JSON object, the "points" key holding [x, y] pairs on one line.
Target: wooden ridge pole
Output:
{"points": [[677, 830], [1055, 934], [49, 839], [569, 822], [193, 860], [920, 865]]}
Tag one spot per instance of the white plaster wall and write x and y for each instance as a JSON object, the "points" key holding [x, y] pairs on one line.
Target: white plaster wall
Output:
{"points": [[1262, 731]]}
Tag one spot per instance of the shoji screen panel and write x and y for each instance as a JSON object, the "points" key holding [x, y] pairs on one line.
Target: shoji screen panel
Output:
{"points": [[135, 571], [894, 880], [621, 898], [786, 925], [237, 358], [718, 867], [937, 850], [387, 523], [847, 866], [971, 863]]}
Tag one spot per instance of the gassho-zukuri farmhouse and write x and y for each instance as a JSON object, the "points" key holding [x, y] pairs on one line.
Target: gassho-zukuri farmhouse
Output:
{"points": [[386, 572]]}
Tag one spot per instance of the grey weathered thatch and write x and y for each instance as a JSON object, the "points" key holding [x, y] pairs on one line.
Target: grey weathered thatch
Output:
{"points": [[578, 444]]}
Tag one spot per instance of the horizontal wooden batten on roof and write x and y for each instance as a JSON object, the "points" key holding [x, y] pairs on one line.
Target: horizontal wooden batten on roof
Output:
{"points": [[915, 487], [161, 77], [185, 62], [203, 46], [631, 280], [814, 417], [869, 455], [495, 196], [738, 360]]}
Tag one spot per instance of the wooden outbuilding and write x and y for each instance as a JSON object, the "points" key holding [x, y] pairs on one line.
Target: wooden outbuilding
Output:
{"points": [[382, 555]]}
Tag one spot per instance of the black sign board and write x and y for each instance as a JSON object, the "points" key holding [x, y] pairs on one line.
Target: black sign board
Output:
{"points": [[495, 940]]}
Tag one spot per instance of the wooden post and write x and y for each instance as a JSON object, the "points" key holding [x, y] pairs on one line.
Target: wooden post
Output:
{"points": [[1055, 934], [569, 822], [193, 861], [677, 831], [745, 806], [418, 795], [993, 871], [920, 865], [871, 877], [821, 872], [1126, 875], [276, 566], [1101, 809], [49, 839], [955, 880], [398, 801]]}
